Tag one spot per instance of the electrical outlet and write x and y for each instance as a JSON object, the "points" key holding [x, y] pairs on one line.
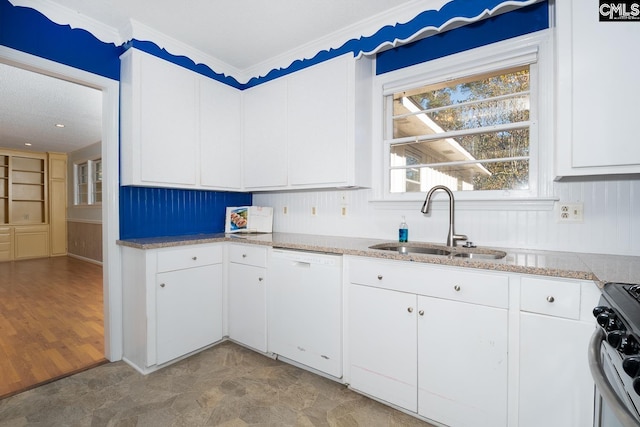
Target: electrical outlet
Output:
{"points": [[285, 210], [314, 211], [570, 212]]}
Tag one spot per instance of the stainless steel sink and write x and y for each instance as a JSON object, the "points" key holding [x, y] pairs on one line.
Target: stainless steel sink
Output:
{"points": [[431, 249], [406, 248], [487, 254]]}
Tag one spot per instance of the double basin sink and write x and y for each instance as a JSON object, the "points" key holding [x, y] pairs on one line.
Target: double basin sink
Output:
{"points": [[432, 249]]}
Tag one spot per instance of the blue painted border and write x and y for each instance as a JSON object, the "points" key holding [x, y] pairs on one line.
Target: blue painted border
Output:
{"points": [[27, 30], [455, 10], [522, 21]]}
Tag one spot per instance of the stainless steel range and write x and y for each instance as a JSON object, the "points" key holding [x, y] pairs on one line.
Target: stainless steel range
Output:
{"points": [[614, 356]]}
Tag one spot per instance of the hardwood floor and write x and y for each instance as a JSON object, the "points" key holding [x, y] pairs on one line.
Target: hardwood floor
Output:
{"points": [[51, 321]]}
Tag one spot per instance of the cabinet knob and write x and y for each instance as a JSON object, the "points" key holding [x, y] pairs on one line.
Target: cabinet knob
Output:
{"points": [[244, 255], [260, 279], [379, 276], [456, 288], [550, 298], [421, 312], [162, 285], [194, 258], [410, 309]]}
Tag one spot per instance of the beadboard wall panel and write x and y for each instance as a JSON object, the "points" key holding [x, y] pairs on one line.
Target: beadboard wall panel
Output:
{"points": [[84, 240], [155, 212], [611, 219]]}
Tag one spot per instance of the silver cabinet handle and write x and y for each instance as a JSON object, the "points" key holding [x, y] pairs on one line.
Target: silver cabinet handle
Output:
{"points": [[457, 288], [162, 285], [194, 258], [379, 276], [550, 298], [421, 312], [410, 309]]}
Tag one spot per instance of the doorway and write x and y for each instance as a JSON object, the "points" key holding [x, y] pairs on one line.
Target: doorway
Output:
{"points": [[111, 269]]}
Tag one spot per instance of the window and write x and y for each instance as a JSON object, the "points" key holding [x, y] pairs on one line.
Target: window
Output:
{"points": [[88, 182], [82, 186], [468, 121]]}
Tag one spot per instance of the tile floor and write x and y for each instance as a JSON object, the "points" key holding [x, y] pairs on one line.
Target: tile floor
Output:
{"points": [[226, 385]]}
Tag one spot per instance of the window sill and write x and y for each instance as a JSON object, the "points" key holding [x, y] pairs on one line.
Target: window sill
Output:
{"points": [[515, 204]]}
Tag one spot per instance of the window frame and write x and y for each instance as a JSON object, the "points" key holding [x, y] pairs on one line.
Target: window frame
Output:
{"points": [[89, 184], [534, 49]]}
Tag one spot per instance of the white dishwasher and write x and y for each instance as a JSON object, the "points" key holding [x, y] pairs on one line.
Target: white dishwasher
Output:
{"points": [[304, 309]]}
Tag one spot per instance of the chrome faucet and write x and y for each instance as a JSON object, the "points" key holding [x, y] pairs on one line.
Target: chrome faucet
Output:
{"points": [[452, 237]]}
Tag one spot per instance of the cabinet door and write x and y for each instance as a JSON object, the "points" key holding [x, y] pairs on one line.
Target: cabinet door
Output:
{"points": [[556, 389], [462, 363], [220, 135], [31, 242], [319, 123], [597, 92], [265, 135], [160, 121], [247, 305], [382, 344], [188, 310]]}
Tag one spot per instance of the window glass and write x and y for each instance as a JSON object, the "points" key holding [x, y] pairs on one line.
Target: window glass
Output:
{"points": [[469, 134], [97, 181], [82, 186]]}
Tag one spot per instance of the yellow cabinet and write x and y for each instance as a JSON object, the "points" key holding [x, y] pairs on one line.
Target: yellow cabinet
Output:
{"points": [[33, 204], [31, 241], [58, 203]]}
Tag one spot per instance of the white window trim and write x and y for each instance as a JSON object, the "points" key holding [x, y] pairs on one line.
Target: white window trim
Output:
{"points": [[90, 180], [535, 49]]}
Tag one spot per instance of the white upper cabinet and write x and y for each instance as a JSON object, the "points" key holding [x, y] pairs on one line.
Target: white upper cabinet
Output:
{"points": [[178, 128], [265, 138], [309, 126], [220, 135], [597, 92]]}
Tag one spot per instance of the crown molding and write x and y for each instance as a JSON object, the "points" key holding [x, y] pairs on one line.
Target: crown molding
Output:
{"points": [[175, 47]]}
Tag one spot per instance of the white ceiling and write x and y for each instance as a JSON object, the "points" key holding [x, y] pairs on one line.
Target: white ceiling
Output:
{"points": [[32, 104], [240, 33]]}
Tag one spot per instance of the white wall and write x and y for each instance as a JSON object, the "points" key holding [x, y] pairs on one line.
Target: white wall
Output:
{"points": [[611, 219]]}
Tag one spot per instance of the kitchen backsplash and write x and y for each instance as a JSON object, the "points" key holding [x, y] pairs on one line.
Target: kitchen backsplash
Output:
{"points": [[611, 219]]}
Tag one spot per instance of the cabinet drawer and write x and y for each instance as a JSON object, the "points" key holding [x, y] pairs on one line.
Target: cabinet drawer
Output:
{"points": [[553, 297], [189, 256], [467, 285], [249, 255]]}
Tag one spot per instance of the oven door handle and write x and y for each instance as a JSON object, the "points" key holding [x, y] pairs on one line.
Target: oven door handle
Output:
{"points": [[605, 389]]}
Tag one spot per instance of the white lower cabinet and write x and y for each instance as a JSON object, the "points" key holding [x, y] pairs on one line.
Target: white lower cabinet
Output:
{"points": [[172, 303], [462, 363], [188, 310], [247, 295], [418, 339], [382, 344], [555, 385]]}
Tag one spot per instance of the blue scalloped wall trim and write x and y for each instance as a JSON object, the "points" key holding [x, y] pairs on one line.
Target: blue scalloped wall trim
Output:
{"points": [[516, 23], [27, 30], [183, 61]]}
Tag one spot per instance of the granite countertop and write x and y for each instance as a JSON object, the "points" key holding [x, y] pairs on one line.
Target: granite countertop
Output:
{"points": [[600, 268]]}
